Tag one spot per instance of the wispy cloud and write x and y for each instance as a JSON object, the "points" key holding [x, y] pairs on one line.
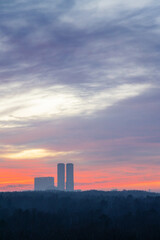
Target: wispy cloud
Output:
{"points": [[60, 101], [33, 154]]}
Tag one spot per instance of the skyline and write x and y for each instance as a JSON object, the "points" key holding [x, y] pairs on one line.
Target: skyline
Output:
{"points": [[79, 82]]}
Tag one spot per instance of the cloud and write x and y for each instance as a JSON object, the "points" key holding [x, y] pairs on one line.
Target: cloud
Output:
{"points": [[32, 154], [15, 187], [60, 101], [43, 48]]}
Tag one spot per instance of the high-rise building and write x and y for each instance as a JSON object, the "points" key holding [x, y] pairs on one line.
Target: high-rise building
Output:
{"points": [[69, 177], [43, 183], [61, 176]]}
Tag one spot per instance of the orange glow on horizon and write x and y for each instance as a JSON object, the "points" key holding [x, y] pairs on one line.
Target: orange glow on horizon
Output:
{"points": [[102, 179]]}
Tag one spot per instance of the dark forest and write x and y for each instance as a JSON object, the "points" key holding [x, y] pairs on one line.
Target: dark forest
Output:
{"points": [[90, 215]]}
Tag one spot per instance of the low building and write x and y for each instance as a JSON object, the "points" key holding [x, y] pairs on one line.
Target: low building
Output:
{"points": [[43, 183]]}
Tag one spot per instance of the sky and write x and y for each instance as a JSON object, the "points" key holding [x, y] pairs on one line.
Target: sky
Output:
{"points": [[79, 82]]}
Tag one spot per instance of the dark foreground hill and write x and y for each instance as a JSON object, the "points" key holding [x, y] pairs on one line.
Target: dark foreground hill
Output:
{"points": [[92, 215]]}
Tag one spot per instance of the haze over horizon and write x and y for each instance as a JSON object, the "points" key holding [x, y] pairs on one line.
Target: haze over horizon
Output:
{"points": [[79, 82]]}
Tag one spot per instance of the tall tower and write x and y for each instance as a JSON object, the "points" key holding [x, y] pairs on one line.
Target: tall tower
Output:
{"points": [[69, 177], [61, 176]]}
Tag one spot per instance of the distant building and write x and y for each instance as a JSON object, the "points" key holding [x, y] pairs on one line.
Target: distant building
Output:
{"points": [[69, 177], [43, 183], [61, 176]]}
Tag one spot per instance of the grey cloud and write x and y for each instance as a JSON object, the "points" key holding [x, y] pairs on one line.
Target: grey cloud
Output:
{"points": [[15, 187], [126, 132], [56, 51]]}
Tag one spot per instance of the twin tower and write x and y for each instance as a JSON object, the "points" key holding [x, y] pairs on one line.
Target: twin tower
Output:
{"points": [[69, 177]]}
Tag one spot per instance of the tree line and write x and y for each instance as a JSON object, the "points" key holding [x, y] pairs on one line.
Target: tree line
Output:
{"points": [[92, 215]]}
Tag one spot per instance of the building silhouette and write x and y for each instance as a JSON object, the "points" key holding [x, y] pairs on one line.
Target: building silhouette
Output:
{"points": [[43, 183], [65, 180], [61, 176], [69, 177]]}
